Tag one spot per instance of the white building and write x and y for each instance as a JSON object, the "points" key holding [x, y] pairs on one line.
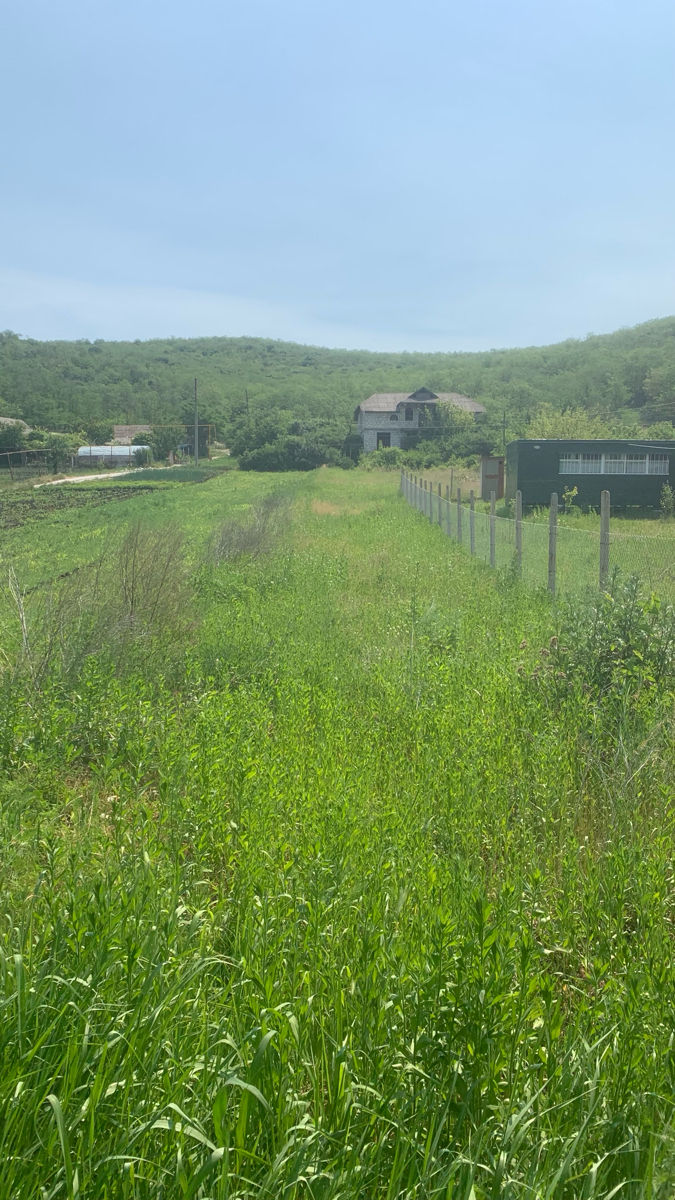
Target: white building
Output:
{"points": [[385, 418]]}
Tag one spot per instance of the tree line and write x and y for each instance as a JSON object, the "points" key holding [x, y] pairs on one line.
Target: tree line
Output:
{"points": [[273, 401]]}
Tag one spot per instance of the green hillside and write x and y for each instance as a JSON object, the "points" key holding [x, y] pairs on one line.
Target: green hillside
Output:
{"points": [[63, 385]]}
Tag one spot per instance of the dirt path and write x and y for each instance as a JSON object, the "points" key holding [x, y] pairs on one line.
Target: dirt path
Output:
{"points": [[103, 475], [84, 478]]}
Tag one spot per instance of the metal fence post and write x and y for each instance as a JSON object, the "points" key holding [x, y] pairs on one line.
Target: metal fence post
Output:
{"points": [[459, 515], [552, 541], [519, 531], [472, 522], [493, 530], [439, 504], [604, 539], [447, 511]]}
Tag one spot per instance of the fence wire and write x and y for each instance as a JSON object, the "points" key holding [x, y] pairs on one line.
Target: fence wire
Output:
{"points": [[576, 551]]}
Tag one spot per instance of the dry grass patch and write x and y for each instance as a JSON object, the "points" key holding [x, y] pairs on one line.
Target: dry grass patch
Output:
{"points": [[323, 508]]}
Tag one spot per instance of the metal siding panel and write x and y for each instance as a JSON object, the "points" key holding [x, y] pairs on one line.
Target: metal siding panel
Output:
{"points": [[537, 473]]}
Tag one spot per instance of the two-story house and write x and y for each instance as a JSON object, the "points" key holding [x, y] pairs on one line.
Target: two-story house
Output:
{"points": [[386, 418]]}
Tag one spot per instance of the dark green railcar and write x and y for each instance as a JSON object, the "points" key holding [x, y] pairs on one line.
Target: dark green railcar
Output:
{"points": [[633, 472]]}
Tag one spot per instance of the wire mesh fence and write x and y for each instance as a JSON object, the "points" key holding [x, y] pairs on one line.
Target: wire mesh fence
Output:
{"points": [[563, 556]]}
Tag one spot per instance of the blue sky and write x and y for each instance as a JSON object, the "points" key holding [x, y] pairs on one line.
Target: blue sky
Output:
{"points": [[426, 175]]}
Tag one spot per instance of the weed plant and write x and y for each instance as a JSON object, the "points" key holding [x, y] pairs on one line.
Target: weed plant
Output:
{"points": [[345, 903]]}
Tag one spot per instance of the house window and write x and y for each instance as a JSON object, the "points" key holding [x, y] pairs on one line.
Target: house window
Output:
{"points": [[409, 412], [569, 464], [614, 464], [581, 464], [658, 464], [393, 417]]}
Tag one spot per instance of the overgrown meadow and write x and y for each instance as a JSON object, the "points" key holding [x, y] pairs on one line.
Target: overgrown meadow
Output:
{"points": [[333, 865]]}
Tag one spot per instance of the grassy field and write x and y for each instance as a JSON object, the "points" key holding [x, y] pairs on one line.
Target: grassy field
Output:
{"points": [[333, 864]]}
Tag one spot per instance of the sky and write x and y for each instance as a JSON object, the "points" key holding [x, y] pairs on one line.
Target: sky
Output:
{"points": [[381, 175]]}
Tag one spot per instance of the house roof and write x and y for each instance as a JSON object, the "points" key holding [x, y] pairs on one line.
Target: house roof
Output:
{"points": [[124, 433], [634, 443], [390, 401], [15, 421]]}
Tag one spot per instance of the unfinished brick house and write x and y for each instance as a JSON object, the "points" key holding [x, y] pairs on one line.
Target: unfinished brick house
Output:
{"points": [[388, 418]]}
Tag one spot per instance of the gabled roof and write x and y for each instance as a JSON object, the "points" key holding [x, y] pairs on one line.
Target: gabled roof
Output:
{"points": [[390, 401], [15, 421], [124, 433]]}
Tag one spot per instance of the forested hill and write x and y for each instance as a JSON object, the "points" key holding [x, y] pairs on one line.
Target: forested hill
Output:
{"points": [[65, 385]]}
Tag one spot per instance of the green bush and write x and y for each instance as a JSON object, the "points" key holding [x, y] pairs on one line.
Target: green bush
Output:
{"points": [[292, 453], [616, 643], [390, 459]]}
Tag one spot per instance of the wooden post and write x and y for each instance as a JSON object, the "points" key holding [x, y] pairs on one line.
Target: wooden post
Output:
{"points": [[452, 473], [459, 515], [440, 506], [604, 539], [552, 541], [519, 531], [472, 522], [415, 496], [9, 464], [448, 529], [493, 530]]}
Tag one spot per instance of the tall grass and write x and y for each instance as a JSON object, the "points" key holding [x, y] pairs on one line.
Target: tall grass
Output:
{"points": [[354, 901]]}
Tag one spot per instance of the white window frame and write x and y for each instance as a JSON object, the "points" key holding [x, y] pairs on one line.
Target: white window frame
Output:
{"points": [[627, 463]]}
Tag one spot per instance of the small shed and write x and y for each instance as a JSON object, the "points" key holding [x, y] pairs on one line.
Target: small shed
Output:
{"points": [[492, 476], [632, 471]]}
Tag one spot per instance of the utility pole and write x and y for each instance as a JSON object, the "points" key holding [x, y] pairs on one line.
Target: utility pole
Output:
{"points": [[196, 428]]}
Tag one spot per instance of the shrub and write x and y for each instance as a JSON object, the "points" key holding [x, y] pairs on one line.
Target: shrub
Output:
{"points": [[667, 504], [133, 603], [390, 458], [256, 534], [614, 643], [284, 454]]}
